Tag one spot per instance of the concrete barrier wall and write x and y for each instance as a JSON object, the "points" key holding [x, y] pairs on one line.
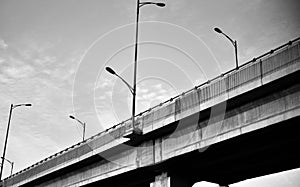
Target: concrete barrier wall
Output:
{"points": [[281, 64], [281, 59]]}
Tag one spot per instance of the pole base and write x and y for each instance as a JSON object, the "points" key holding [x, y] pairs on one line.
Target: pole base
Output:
{"points": [[136, 132]]}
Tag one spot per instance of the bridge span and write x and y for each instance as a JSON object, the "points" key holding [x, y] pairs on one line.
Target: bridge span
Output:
{"points": [[240, 125]]}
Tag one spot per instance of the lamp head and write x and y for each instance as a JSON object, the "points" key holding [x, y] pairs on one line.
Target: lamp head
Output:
{"points": [[28, 104], [160, 4], [72, 117], [218, 30], [111, 71]]}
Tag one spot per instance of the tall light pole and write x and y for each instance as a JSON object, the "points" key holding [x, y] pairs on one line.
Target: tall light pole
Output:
{"points": [[82, 123], [12, 106], [135, 131], [234, 43], [11, 164]]}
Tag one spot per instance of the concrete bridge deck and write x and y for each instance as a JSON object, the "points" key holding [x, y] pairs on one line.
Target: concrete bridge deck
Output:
{"points": [[249, 114]]}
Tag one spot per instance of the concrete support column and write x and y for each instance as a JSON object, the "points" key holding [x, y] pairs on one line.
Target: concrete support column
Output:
{"points": [[164, 180]]}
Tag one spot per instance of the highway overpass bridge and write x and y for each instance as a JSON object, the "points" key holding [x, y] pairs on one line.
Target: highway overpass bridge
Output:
{"points": [[240, 125]]}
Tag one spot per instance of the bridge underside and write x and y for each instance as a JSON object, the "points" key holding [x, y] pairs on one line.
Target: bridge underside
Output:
{"points": [[269, 150]]}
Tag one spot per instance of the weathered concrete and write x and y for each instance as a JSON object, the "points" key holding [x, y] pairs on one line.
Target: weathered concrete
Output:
{"points": [[234, 104]]}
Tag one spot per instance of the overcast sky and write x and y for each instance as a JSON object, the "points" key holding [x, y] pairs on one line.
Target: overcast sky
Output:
{"points": [[53, 54]]}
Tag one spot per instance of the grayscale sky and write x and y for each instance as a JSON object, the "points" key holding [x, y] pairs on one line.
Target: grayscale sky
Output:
{"points": [[53, 54]]}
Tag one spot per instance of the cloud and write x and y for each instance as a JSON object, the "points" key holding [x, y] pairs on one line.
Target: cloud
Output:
{"points": [[45, 60], [3, 45], [199, 81], [143, 90], [153, 95], [2, 60], [157, 86], [39, 60], [14, 68], [4, 79], [31, 73], [105, 83], [19, 62], [18, 72]]}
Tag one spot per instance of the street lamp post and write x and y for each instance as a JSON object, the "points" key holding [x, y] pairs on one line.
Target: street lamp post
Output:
{"points": [[7, 131], [11, 164], [82, 123], [135, 131], [234, 43]]}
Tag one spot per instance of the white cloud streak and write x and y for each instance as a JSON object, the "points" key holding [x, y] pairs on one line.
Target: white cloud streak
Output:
{"points": [[3, 45]]}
